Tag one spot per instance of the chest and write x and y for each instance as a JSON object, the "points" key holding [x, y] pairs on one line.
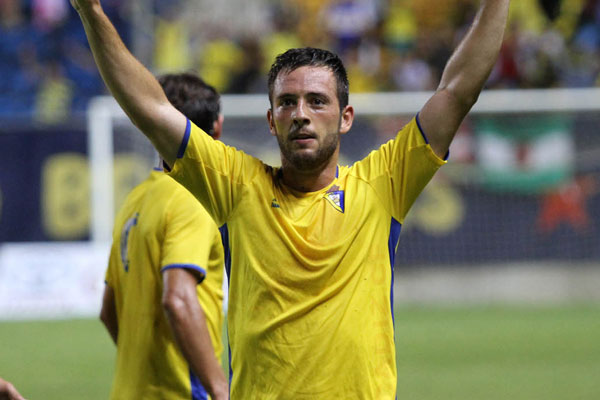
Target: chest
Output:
{"points": [[314, 229]]}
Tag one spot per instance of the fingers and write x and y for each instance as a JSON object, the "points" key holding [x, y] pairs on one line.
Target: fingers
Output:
{"points": [[81, 5], [8, 391]]}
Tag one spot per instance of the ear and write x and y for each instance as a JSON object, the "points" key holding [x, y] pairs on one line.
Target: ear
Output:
{"points": [[218, 127], [271, 122], [346, 119]]}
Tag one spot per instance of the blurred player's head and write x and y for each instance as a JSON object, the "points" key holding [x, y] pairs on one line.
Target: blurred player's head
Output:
{"points": [[311, 57], [196, 99]]}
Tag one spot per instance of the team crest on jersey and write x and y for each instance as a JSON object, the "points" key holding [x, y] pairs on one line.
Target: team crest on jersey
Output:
{"points": [[275, 203], [335, 197]]}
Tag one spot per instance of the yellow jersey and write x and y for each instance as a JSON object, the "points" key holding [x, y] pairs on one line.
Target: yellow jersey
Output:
{"points": [[310, 274], [160, 226]]}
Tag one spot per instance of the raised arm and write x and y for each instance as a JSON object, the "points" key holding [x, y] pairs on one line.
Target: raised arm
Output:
{"points": [[188, 323], [132, 85], [465, 75]]}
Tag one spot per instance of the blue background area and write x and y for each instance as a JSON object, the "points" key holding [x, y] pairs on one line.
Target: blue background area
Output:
{"points": [[23, 154], [503, 228]]}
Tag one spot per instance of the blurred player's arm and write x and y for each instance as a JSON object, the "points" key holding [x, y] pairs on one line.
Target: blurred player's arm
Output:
{"points": [[465, 75], [132, 85], [108, 313], [8, 391], [188, 323]]}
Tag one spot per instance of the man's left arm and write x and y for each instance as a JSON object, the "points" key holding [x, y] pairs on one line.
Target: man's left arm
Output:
{"points": [[464, 76]]}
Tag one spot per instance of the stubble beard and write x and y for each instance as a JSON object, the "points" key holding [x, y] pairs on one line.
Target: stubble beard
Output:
{"points": [[309, 161]]}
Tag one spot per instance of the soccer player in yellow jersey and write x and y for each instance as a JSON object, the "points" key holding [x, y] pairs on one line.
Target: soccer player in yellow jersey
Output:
{"points": [[310, 245], [163, 298]]}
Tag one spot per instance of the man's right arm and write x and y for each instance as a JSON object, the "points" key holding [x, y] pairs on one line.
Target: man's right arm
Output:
{"points": [[132, 85]]}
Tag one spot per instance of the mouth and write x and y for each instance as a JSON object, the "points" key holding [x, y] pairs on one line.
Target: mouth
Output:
{"points": [[302, 136]]}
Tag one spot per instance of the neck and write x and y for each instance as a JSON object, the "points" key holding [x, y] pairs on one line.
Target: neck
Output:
{"points": [[309, 181]]}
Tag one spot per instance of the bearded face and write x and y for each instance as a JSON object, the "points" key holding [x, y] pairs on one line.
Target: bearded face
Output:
{"points": [[306, 117], [306, 150]]}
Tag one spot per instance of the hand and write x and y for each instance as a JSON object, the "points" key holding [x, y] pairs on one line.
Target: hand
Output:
{"points": [[8, 391], [80, 5]]}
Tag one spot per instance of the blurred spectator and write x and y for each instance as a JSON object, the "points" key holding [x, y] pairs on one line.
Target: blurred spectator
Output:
{"points": [[365, 56], [581, 69], [79, 67], [283, 35], [308, 24], [506, 72], [220, 61], [55, 95], [172, 38], [47, 15], [250, 77], [399, 27], [42, 55], [347, 21], [17, 43], [411, 73], [386, 44], [362, 78]]}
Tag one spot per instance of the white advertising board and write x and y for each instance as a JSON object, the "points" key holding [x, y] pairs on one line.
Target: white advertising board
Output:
{"points": [[51, 280]]}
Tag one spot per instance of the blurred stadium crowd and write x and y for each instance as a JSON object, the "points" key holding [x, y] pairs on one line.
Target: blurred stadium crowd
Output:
{"points": [[387, 45]]}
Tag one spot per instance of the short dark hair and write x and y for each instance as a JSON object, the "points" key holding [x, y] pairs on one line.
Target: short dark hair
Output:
{"points": [[309, 56], [196, 99]]}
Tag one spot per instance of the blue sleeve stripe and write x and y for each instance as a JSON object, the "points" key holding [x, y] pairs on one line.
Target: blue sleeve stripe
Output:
{"points": [[186, 266], [227, 250], [186, 139], [229, 361], [395, 228], [425, 137], [421, 129], [225, 240]]}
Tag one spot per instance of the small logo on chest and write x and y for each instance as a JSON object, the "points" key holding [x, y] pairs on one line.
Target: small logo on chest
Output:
{"points": [[275, 203], [335, 197]]}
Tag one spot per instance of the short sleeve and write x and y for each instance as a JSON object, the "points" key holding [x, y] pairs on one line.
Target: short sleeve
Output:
{"points": [[188, 234], [400, 169], [214, 173]]}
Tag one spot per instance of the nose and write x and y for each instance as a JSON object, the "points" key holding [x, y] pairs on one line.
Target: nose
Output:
{"points": [[300, 115]]}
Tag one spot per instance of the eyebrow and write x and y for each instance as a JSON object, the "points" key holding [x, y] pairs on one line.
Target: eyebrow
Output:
{"points": [[285, 95], [309, 94]]}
